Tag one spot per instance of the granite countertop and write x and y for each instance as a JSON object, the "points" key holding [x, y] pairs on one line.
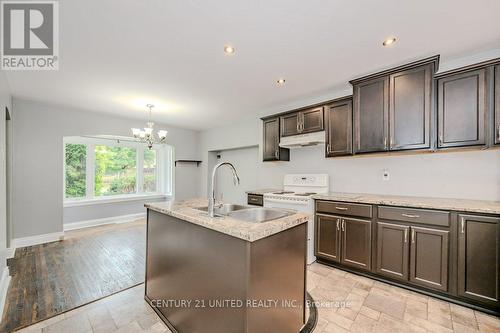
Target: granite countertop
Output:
{"points": [[263, 191], [462, 205], [248, 231]]}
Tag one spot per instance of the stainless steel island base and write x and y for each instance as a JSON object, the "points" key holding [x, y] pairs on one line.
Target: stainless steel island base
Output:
{"points": [[202, 280]]}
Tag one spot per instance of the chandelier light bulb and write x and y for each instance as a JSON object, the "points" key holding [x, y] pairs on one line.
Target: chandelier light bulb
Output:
{"points": [[162, 134], [136, 132]]}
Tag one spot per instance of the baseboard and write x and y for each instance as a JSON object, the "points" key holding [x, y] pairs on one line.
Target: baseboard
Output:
{"points": [[38, 239], [4, 286], [104, 221], [10, 252]]}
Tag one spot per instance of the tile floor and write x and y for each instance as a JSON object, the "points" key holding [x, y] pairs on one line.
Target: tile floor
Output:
{"points": [[372, 306], [368, 306]]}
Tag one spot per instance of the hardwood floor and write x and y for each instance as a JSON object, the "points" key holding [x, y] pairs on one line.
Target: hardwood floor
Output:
{"points": [[89, 264]]}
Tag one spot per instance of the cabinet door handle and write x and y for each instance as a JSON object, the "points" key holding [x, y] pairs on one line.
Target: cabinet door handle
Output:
{"points": [[343, 225], [341, 208], [338, 224], [392, 142], [298, 125], [276, 153], [328, 148], [410, 216], [462, 225], [413, 236], [440, 139], [406, 235], [385, 142]]}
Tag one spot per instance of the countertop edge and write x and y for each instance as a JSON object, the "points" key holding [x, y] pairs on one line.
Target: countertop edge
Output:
{"points": [[461, 205], [251, 233]]}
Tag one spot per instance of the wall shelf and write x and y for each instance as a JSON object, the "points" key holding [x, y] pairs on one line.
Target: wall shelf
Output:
{"points": [[187, 161]]}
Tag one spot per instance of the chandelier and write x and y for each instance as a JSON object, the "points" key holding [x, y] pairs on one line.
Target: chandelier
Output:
{"points": [[147, 136]]}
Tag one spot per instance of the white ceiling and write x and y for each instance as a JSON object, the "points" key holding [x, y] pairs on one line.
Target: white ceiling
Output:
{"points": [[116, 56]]}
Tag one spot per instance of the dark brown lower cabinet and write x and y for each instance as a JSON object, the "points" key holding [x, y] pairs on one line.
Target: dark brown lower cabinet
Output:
{"points": [[328, 237], [392, 250], [429, 257], [344, 240], [479, 259], [356, 243]]}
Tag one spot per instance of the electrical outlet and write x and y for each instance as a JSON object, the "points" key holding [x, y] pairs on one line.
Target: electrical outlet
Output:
{"points": [[385, 175]]}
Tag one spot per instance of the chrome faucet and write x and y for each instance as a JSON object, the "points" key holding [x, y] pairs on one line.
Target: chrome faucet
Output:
{"points": [[211, 199]]}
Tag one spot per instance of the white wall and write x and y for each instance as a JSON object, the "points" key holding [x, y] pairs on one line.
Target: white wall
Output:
{"points": [[244, 161], [5, 101], [37, 149], [467, 174]]}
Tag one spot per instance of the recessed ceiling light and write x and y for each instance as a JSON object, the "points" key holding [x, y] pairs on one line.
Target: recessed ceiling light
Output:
{"points": [[228, 49], [389, 41], [280, 82]]}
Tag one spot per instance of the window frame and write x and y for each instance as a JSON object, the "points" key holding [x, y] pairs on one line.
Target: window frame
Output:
{"points": [[164, 171]]}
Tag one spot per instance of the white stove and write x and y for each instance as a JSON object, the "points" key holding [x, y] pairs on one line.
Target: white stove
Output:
{"points": [[297, 193]]}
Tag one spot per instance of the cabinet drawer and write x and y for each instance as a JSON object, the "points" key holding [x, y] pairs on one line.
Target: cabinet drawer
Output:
{"points": [[255, 199], [344, 208], [424, 216]]}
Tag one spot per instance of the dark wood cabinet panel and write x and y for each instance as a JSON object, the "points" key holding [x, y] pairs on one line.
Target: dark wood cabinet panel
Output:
{"points": [[312, 120], [371, 114], [255, 199], [356, 243], [290, 124], [410, 108], [462, 109], [344, 208], [497, 104], [301, 122], [393, 250], [328, 237], [339, 128], [479, 258], [271, 149], [429, 257]]}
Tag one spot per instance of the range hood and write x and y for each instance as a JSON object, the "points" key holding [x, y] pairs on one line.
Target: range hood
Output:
{"points": [[303, 140]]}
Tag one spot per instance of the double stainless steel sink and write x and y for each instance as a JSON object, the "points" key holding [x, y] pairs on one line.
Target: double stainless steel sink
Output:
{"points": [[248, 213]]}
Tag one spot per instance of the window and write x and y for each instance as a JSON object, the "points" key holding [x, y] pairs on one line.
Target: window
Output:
{"points": [[75, 159], [99, 169], [115, 170], [149, 171]]}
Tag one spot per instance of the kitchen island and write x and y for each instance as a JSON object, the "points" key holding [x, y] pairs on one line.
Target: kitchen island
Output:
{"points": [[223, 274]]}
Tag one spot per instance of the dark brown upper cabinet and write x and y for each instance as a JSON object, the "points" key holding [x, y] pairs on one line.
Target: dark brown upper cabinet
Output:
{"points": [[290, 124], [462, 109], [338, 119], [393, 250], [479, 258], [393, 109], [497, 105], [271, 149], [371, 115], [328, 237], [301, 122], [429, 257], [410, 107]]}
